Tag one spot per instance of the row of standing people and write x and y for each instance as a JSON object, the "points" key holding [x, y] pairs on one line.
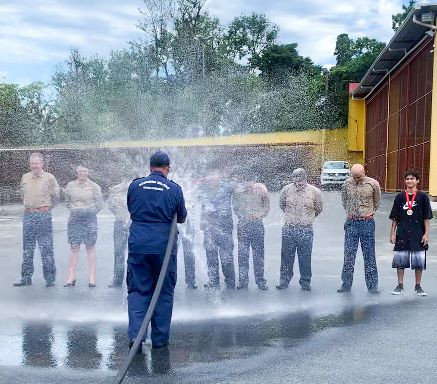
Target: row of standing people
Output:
{"points": [[300, 202]]}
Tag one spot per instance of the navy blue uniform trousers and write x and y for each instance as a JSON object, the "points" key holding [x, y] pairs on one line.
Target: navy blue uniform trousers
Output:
{"points": [[251, 235], [37, 228], [141, 280], [359, 231], [296, 240], [121, 234]]}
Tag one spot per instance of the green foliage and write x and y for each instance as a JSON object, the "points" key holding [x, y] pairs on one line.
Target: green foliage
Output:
{"points": [[248, 36], [354, 58], [279, 61], [398, 18], [27, 116]]}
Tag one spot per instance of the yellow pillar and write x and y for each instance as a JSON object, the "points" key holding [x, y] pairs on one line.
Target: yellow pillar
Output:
{"points": [[433, 143], [356, 129]]}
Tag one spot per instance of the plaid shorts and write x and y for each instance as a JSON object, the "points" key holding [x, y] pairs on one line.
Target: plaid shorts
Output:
{"points": [[403, 259]]}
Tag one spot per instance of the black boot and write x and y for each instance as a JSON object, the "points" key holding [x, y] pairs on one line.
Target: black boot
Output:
{"points": [[24, 281]]}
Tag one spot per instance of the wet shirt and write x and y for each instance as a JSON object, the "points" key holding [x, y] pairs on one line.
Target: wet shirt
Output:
{"points": [[251, 202], [217, 204], [117, 201], [39, 191], [83, 196], [361, 199], [152, 201], [300, 206], [410, 229]]}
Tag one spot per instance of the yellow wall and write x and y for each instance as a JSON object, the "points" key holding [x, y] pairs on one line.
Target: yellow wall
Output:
{"points": [[433, 143], [332, 144], [356, 125]]}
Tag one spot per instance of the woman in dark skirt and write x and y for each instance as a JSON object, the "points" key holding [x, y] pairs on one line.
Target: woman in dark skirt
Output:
{"points": [[84, 199]]}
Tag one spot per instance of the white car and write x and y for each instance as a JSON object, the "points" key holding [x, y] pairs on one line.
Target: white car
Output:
{"points": [[334, 173]]}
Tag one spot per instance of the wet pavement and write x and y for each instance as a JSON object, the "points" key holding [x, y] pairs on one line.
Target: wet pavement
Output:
{"points": [[69, 335]]}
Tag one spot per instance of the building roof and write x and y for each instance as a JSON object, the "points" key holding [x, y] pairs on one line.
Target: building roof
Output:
{"points": [[411, 34]]}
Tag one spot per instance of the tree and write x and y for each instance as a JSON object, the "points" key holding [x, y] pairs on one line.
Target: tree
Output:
{"points": [[27, 115], [157, 17], [248, 36], [354, 58], [343, 49], [279, 61], [398, 18]]}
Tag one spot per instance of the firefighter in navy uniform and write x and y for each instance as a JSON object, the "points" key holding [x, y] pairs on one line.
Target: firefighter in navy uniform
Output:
{"points": [[152, 202]]}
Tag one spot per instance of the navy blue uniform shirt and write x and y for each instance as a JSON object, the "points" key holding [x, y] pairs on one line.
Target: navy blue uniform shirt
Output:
{"points": [[152, 201]]}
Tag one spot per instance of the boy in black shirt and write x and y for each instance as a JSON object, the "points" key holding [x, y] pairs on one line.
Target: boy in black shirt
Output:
{"points": [[410, 217]]}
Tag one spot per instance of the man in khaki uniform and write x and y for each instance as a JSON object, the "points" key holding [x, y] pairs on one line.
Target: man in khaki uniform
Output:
{"points": [[118, 206], [301, 203], [360, 198], [251, 205], [40, 192]]}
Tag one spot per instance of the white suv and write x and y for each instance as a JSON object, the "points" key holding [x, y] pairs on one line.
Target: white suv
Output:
{"points": [[334, 173]]}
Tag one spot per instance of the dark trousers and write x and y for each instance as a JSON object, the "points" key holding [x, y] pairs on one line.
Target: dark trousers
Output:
{"points": [[300, 240], [251, 235], [37, 228], [121, 234], [141, 280], [189, 260], [362, 231], [219, 243]]}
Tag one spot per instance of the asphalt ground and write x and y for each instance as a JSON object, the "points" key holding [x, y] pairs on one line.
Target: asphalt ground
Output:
{"points": [[54, 335]]}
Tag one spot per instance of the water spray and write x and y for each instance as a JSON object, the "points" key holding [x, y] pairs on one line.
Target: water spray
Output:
{"points": [[153, 302]]}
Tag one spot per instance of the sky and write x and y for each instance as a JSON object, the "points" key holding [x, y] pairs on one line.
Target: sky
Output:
{"points": [[37, 35]]}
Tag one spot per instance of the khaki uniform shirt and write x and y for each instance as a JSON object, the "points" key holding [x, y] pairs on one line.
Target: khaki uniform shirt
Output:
{"points": [[117, 201], [39, 190], [362, 199], [251, 202], [83, 195], [300, 206]]}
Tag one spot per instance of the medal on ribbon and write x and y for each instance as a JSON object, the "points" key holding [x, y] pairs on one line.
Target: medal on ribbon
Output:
{"points": [[410, 202]]}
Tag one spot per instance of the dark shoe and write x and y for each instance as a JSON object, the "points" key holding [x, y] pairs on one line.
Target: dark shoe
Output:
{"points": [[23, 282], [211, 286], [373, 291], [113, 285], [281, 287], [72, 284], [92, 285], [191, 286], [50, 284], [344, 290], [306, 288], [157, 347], [160, 359], [242, 287], [399, 290], [140, 347], [419, 291], [263, 287]]}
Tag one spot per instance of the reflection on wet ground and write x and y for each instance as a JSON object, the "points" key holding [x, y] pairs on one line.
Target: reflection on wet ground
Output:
{"points": [[87, 347]]}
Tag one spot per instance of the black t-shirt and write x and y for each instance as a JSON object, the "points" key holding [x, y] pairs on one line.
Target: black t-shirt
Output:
{"points": [[410, 229]]}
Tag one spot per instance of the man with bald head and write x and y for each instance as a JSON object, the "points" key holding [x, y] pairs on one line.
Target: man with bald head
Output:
{"points": [[301, 203], [360, 196]]}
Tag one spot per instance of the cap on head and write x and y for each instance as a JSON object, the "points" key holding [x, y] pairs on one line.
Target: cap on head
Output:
{"points": [[299, 173], [159, 159]]}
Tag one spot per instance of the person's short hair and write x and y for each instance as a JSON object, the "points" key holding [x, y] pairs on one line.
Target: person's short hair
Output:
{"points": [[412, 172], [299, 173], [36, 155], [81, 167], [159, 159]]}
